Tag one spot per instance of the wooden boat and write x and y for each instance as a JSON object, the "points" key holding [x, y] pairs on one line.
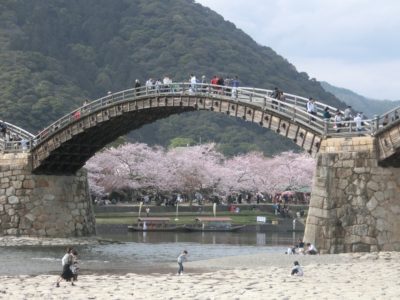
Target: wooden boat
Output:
{"points": [[223, 224], [154, 224]]}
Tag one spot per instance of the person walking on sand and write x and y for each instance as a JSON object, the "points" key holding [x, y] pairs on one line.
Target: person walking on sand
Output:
{"points": [[297, 270], [181, 258], [66, 262]]}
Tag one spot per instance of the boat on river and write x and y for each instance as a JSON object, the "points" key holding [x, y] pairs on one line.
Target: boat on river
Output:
{"points": [[223, 224], [154, 224]]}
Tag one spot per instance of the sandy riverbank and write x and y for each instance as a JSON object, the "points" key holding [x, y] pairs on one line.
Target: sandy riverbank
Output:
{"points": [[260, 276]]}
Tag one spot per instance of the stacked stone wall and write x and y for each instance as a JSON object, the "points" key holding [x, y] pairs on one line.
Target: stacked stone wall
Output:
{"points": [[42, 205], [355, 203]]}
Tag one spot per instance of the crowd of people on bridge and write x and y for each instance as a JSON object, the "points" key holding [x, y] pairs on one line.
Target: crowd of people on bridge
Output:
{"points": [[219, 85]]}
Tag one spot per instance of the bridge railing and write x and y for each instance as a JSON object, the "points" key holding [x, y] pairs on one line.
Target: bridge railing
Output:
{"points": [[14, 138], [283, 108], [290, 106], [330, 127], [387, 118]]}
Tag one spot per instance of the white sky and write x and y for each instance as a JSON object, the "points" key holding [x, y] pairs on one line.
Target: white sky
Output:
{"points": [[353, 44]]}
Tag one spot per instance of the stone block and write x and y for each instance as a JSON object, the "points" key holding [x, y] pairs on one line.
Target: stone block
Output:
{"points": [[372, 185], [319, 213], [391, 185], [5, 185], [13, 200], [25, 223], [358, 201], [17, 184], [48, 197], [379, 196], [71, 205], [4, 168], [28, 184], [383, 241], [361, 247], [348, 164], [18, 172], [369, 240], [361, 170], [374, 248], [372, 204], [352, 239], [30, 217], [381, 224], [52, 232], [361, 230], [12, 231], [10, 191], [41, 182], [5, 180], [395, 209], [381, 171]]}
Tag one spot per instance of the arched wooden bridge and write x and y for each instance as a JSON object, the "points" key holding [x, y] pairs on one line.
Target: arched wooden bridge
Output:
{"points": [[65, 146]]}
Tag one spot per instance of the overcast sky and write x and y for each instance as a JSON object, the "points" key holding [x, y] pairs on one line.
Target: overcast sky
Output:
{"points": [[353, 44]]}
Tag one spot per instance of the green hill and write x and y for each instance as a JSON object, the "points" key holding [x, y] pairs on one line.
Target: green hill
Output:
{"points": [[370, 107], [54, 54]]}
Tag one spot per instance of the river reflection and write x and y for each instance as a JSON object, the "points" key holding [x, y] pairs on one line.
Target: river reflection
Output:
{"points": [[231, 238], [141, 252]]}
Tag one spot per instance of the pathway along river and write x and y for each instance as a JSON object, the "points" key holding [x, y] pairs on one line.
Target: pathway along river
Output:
{"points": [[141, 252]]}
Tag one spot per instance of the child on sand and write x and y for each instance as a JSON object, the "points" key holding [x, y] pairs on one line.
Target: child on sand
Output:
{"points": [[181, 258], [297, 270], [74, 266]]}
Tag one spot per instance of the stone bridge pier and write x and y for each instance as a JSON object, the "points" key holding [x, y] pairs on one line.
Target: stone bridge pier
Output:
{"points": [[355, 203], [42, 205]]}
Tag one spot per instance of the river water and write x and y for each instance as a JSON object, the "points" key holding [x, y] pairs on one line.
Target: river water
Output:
{"points": [[142, 252]]}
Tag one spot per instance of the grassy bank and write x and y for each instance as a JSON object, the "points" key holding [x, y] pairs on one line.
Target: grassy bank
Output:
{"points": [[245, 217]]}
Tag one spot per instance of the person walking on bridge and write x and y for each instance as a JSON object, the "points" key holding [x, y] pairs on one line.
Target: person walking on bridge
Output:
{"points": [[193, 82], [235, 86], [137, 86], [311, 109]]}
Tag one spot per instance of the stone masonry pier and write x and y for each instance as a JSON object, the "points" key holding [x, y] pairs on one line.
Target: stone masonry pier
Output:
{"points": [[355, 203], [42, 205]]}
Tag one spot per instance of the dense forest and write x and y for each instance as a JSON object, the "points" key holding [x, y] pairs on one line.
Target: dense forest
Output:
{"points": [[54, 54]]}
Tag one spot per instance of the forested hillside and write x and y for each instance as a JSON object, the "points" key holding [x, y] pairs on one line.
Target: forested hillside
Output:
{"points": [[54, 54], [370, 107]]}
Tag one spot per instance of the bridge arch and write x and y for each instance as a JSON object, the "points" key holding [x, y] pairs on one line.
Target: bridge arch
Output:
{"points": [[66, 145]]}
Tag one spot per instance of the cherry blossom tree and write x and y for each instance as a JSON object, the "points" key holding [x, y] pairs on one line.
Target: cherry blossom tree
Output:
{"points": [[197, 168]]}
